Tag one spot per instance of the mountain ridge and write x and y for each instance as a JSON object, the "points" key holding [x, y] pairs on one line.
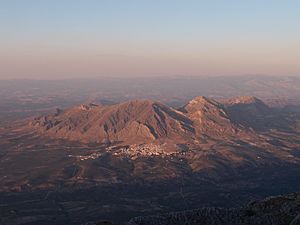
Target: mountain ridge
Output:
{"points": [[139, 121]]}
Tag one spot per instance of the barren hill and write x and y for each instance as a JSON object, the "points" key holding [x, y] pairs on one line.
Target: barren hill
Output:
{"points": [[139, 121], [131, 122]]}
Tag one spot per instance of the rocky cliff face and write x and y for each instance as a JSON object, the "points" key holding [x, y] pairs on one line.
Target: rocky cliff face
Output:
{"points": [[209, 117]]}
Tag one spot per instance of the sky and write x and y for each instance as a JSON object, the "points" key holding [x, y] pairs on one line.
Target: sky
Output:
{"points": [[53, 39]]}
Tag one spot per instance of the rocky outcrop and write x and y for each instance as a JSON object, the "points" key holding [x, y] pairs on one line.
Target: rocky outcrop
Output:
{"points": [[209, 117], [280, 210]]}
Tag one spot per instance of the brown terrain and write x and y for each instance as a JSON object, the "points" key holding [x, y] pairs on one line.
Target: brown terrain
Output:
{"points": [[143, 121], [139, 157], [154, 128]]}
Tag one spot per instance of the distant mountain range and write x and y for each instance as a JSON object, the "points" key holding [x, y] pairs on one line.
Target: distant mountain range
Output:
{"points": [[146, 121], [22, 98]]}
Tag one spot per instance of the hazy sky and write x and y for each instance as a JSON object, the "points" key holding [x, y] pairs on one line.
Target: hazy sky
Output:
{"points": [[88, 38]]}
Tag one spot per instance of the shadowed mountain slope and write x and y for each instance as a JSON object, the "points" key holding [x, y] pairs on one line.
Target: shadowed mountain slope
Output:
{"points": [[250, 112]]}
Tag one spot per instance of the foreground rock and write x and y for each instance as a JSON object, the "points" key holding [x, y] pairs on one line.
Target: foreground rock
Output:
{"points": [[280, 210]]}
